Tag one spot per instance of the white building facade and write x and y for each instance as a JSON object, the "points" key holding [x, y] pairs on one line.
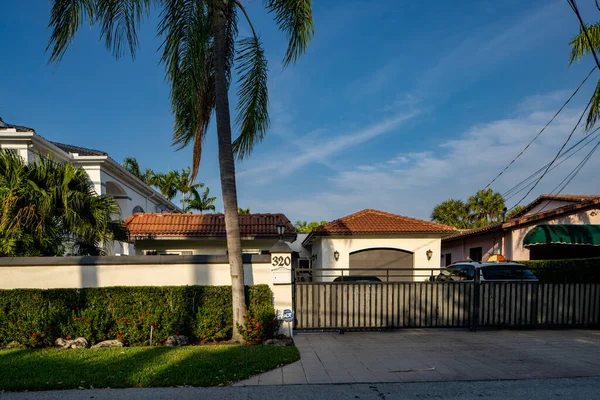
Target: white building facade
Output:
{"points": [[108, 177]]}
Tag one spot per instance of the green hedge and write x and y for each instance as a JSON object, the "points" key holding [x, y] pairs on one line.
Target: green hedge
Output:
{"points": [[35, 318], [580, 270]]}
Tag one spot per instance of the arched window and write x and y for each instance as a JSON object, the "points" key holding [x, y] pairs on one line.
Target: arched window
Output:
{"points": [[137, 209]]}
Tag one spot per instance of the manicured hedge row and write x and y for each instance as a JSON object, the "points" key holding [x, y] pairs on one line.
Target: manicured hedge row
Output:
{"points": [[34, 318], [581, 270]]}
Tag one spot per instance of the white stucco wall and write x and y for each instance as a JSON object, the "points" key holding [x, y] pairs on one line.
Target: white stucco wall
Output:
{"points": [[151, 274], [325, 247]]}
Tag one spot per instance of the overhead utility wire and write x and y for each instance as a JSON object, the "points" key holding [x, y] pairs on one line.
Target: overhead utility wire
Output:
{"points": [[585, 31], [543, 129], [574, 173], [518, 188], [556, 156]]}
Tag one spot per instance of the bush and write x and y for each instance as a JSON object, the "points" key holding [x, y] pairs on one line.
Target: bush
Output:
{"points": [[580, 270], [35, 318]]}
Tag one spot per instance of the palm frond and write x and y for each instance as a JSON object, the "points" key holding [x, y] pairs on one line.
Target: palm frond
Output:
{"points": [[580, 46], [294, 18], [131, 164], [252, 109], [594, 112], [65, 18], [186, 29], [119, 20]]}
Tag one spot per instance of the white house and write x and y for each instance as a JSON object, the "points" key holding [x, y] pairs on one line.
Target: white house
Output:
{"points": [[107, 175], [372, 242]]}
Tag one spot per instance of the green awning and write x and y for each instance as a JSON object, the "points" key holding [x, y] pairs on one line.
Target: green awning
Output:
{"points": [[588, 235]]}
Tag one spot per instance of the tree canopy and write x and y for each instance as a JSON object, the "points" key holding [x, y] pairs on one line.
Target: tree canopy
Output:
{"points": [[304, 226], [173, 182], [49, 209], [481, 209]]}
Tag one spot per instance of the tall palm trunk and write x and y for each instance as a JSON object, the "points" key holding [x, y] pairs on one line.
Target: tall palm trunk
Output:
{"points": [[227, 169]]}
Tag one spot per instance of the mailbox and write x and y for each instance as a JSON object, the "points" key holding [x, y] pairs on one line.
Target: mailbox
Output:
{"points": [[282, 276]]}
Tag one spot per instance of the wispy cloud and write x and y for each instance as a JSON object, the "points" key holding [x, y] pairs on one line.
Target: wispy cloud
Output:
{"points": [[412, 183], [321, 147]]}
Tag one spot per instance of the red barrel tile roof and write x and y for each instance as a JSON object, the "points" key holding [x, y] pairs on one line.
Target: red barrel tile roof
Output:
{"points": [[374, 221], [204, 225]]}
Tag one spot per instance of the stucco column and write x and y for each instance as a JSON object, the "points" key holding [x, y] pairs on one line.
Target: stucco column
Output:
{"points": [[281, 270]]}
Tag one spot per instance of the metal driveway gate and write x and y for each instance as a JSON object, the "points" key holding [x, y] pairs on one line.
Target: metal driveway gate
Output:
{"points": [[362, 306]]}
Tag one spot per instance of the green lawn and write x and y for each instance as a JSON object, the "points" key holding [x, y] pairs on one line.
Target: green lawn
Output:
{"points": [[137, 366]]}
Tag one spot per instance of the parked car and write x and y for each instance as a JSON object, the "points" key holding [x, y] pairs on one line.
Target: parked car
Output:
{"points": [[464, 271], [357, 279]]}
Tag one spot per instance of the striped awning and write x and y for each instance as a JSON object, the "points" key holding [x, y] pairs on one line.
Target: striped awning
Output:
{"points": [[585, 235]]}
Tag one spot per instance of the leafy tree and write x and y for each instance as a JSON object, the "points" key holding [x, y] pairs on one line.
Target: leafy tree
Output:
{"points": [[149, 177], [201, 202], [49, 209], [481, 209], [303, 226], [243, 210], [199, 53], [454, 213], [486, 207], [168, 184]]}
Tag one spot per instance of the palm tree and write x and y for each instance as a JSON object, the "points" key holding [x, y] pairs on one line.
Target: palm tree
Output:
{"points": [[243, 210], [50, 208], [199, 53], [201, 202], [452, 212], [185, 186], [149, 177], [168, 184], [580, 46], [486, 207]]}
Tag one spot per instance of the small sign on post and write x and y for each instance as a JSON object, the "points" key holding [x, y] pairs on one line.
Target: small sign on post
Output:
{"points": [[286, 315]]}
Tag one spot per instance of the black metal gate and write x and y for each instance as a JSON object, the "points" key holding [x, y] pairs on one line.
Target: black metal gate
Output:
{"points": [[424, 304]]}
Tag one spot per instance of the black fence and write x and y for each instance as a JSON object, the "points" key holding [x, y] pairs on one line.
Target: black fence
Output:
{"points": [[343, 299]]}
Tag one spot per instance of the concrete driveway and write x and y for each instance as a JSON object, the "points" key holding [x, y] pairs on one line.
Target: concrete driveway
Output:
{"points": [[426, 355]]}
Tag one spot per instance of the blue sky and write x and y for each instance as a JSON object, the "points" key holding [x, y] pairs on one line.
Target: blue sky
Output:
{"points": [[396, 106]]}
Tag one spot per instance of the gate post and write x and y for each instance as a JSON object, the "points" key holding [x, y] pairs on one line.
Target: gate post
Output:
{"points": [[282, 285], [476, 300]]}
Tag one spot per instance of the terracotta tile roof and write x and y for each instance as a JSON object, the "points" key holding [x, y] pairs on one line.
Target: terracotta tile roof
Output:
{"points": [[374, 221], [204, 225], [583, 202]]}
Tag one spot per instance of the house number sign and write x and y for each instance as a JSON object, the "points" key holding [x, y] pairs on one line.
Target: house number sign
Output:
{"points": [[281, 261]]}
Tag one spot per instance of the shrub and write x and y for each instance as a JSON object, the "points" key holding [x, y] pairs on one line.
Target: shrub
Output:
{"points": [[580, 270], [260, 320], [35, 318]]}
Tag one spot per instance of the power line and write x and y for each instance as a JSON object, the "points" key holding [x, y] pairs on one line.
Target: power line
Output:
{"points": [[557, 154], [543, 129], [574, 173], [584, 29], [518, 188]]}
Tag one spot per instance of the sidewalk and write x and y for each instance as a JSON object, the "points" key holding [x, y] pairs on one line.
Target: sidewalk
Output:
{"points": [[436, 355]]}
